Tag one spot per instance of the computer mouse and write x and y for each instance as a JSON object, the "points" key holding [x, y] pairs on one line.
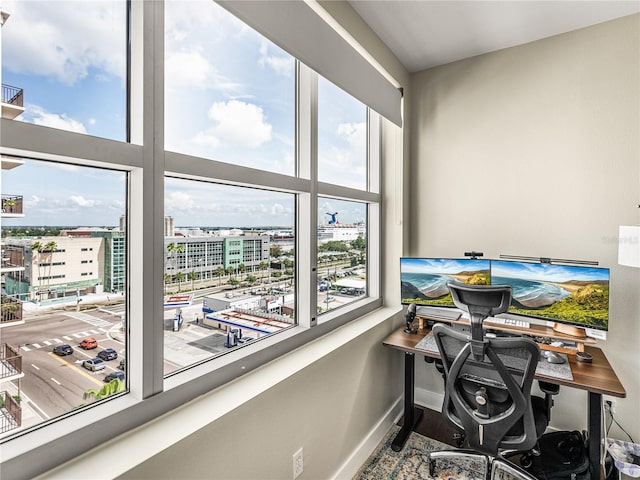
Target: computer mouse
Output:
{"points": [[553, 357]]}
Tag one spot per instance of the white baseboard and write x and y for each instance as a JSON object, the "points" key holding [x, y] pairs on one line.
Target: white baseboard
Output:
{"points": [[357, 458]]}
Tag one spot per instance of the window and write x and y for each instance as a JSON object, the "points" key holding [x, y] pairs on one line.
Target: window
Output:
{"points": [[342, 137], [342, 253], [229, 92], [244, 298], [227, 196], [44, 286], [64, 65]]}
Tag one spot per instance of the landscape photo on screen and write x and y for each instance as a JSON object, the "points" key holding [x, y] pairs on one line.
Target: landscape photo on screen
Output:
{"points": [[578, 295], [424, 280]]}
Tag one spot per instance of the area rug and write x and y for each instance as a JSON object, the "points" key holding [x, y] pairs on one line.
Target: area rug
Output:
{"points": [[412, 462]]}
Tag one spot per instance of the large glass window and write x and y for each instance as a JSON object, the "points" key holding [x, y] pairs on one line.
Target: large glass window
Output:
{"points": [[342, 137], [342, 253], [229, 268], [229, 92], [64, 65], [63, 330], [188, 259]]}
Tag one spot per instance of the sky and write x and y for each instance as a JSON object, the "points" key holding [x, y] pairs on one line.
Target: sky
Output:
{"points": [[229, 96]]}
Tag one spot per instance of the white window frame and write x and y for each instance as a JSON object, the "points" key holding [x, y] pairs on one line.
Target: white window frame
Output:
{"points": [[149, 395]]}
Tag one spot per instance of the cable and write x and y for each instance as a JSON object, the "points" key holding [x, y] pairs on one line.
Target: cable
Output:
{"points": [[613, 420]]}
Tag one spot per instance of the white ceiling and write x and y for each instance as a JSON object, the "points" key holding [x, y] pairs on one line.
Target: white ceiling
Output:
{"points": [[426, 33]]}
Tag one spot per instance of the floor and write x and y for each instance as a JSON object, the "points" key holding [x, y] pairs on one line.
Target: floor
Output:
{"points": [[433, 425]]}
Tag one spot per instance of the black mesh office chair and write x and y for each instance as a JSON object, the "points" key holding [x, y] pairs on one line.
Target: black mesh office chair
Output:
{"points": [[488, 380]]}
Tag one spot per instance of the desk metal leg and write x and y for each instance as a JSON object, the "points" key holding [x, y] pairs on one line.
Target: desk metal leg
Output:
{"points": [[595, 433], [412, 414]]}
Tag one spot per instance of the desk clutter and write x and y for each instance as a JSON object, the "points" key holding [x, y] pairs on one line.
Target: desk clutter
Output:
{"points": [[555, 370]]}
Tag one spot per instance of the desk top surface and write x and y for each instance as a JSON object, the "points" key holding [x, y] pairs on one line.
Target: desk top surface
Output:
{"points": [[597, 377]]}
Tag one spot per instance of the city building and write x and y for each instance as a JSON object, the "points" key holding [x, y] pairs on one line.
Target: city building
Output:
{"points": [[12, 264], [206, 255]]}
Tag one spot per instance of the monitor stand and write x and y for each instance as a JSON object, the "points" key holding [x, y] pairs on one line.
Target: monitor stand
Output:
{"points": [[577, 332]]}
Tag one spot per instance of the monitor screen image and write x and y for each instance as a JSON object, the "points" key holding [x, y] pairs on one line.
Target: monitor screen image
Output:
{"points": [[575, 295], [424, 280]]}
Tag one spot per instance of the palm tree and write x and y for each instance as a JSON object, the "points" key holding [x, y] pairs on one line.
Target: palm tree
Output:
{"points": [[262, 266], [192, 275], [173, 249], [179, 277], [219, 272], [229, 271], [241, 269], [167, 279], [37, 247], [50, 248]]}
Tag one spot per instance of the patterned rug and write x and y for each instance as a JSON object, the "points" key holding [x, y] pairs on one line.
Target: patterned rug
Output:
{"points": [[412, 462]]}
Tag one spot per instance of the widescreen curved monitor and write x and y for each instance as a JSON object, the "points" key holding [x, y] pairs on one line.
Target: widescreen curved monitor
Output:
{"points": [[570, 294], [424, 280]]}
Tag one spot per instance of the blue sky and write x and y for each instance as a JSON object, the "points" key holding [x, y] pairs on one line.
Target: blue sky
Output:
{"points": [[229, 96]]}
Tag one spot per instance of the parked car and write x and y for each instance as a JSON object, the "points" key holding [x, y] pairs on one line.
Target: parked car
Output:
{"points": [[122, 364], [63, 350], [89, 343], [113, 376], [94, 364], [108, 354]]}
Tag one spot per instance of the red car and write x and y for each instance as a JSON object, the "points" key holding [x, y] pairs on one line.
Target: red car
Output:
{"points": [[89, 343]]}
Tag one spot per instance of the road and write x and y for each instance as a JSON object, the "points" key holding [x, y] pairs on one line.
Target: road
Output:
{"points": [[55, 385]]}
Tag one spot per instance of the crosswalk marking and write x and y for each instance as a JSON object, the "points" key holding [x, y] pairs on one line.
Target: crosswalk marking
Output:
{"points": [[102, 326], [90, 319]]}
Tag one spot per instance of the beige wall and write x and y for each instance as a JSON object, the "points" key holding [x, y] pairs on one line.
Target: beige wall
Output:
{"points": [[535, 150]]}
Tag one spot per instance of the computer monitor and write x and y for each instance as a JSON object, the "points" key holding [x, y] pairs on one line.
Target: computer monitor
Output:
{"points": [[572, 295], [424, 280]]}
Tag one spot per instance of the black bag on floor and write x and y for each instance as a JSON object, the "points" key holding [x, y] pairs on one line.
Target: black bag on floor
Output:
{"points": [[563, 455]]}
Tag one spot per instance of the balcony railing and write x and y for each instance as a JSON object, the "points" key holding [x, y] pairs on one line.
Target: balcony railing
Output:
{"points": [[10, 361], [12, 257], [11, 309], [12, 204], [10, 412], [13, 95]]}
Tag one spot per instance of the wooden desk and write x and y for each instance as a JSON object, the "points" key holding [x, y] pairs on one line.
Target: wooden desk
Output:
{"points": [[597, 378]]}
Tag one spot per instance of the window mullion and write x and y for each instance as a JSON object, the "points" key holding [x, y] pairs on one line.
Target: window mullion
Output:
{"points": [[147, 199], [306, 214]]}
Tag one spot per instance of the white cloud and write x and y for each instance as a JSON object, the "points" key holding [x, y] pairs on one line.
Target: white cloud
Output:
{"points": [[192, 69], [40, 116], [32, 202], [236, 123], [179, 201], [355, 134], [282, 65], [64, 39], [81, 201]]}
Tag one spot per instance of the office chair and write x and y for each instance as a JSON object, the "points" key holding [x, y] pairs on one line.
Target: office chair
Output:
{"points": [[442, 463], [488, 380]]}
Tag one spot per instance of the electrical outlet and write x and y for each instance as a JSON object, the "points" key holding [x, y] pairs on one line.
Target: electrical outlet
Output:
{"points": [[298, 463], [611, 405]]}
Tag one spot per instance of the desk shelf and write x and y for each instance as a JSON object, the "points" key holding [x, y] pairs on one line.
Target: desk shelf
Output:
{"points": [[534, 330]]}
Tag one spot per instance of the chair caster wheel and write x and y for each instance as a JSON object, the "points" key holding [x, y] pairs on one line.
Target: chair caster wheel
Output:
{"points": [[526, 461]]}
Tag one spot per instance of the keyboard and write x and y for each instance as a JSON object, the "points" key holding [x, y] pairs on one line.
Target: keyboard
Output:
{"points": [[509, 322], [439, 313]]}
